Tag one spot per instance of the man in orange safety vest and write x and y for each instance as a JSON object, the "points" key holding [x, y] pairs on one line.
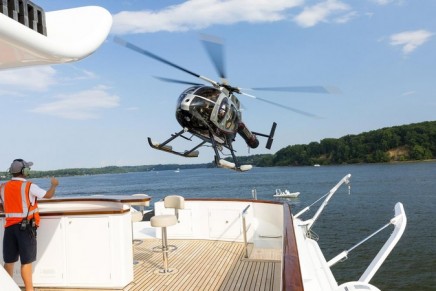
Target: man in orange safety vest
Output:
{"points": [[18, 198]]}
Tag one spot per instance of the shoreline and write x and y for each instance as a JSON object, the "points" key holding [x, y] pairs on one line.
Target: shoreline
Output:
{"points": [[172, 167]]}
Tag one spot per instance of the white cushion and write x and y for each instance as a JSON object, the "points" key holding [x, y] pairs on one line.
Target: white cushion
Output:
{"points": [[163, 220]]}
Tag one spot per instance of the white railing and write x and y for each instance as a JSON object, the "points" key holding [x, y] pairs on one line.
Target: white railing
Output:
{"points": [[399, 221], [245, 229], [309, 223]]}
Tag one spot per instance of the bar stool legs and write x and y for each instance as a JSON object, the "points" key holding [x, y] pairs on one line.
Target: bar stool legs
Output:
{"points": [[165, 250]]}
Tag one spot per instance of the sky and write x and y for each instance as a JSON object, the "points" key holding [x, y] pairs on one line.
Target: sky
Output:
{"points": [[99, 111]]}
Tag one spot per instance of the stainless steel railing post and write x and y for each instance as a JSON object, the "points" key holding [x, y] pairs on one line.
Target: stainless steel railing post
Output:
{"points": [[244, 230]]}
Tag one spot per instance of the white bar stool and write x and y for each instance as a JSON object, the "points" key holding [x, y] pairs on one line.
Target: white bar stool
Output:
{"points": [[163, 221]]}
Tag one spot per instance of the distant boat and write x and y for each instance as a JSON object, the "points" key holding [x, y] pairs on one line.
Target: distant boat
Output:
{"points": [[317, 165], [177, 171], [286, 194]]}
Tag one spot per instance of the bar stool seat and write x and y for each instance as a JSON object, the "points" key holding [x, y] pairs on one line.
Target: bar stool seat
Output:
{"points": [[163, 220]]}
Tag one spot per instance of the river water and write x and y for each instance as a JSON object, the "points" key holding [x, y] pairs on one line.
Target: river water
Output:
{"points": [[349, 217]]}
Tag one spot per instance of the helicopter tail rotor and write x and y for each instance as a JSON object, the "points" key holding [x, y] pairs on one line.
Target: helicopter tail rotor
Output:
{"points": [[271, 136]]}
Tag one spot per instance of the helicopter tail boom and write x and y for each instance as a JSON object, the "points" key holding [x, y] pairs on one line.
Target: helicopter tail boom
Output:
{"points": [[248, 136]]}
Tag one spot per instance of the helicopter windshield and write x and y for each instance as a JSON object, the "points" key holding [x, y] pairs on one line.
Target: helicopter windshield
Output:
{"points": [[202, 103], [205, 98], [185, 93], [209, 93], [198, 96], [201, 99]]}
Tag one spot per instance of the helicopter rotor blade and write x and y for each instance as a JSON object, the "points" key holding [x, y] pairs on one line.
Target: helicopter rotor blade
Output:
{"points": [[176, 81], [215, 49], [300, 89], [137, 49], [281, 106]]}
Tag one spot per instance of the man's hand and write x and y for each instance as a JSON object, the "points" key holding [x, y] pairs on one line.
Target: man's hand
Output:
{"points": [[52, 190], [54, 182]]}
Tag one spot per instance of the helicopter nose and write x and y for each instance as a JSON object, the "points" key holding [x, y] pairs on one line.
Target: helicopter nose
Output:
{"points": [[184, 105]]}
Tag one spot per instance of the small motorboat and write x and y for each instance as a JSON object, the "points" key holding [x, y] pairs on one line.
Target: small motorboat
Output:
{"points": [[286, 194]]}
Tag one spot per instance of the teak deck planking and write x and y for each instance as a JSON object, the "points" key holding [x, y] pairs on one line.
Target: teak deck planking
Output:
{"points": [[201, 265]]}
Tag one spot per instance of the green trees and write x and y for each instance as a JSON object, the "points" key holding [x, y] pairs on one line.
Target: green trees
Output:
{"points": [[399, 143]]}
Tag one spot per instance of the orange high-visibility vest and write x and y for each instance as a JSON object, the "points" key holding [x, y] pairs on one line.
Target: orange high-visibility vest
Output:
{"points": [[16, 202]]}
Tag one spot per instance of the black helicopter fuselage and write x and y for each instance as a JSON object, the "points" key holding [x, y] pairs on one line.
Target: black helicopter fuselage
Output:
{"points": [[211, 113]]}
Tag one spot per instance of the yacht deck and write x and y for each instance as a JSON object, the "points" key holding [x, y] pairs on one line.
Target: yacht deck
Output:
{"points": [[201, 265]]}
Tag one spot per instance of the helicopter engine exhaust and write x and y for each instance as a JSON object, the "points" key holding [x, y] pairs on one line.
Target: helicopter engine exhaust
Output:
{"points": [[248, 136]]}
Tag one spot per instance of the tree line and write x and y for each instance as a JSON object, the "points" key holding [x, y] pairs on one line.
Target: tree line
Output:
{"points": [[107, 170], [398, 143], [411, 142]]}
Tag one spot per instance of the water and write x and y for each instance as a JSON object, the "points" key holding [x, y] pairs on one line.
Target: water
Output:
{"points": [[346, 221]]}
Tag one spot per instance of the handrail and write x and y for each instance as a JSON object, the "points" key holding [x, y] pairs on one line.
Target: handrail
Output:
{"points": [[399, 221], [332, 191], [344, 254], [291, 270], [244, 229]]}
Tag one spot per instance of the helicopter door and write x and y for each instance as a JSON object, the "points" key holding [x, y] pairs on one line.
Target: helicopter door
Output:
{"points": [[225, 115]]}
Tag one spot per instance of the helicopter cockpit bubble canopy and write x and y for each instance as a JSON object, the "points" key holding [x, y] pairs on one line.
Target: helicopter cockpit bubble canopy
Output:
{"points": [[198, 97], [203, 105]]}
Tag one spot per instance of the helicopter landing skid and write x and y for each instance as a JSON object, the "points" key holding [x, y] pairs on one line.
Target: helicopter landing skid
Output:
{"points": [[193, 153], [228, 165]]}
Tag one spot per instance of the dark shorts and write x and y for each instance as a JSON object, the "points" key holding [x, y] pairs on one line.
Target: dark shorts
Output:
{"points": [[20, 243]]}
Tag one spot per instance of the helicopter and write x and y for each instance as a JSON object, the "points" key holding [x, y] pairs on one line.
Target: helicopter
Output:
{"points": [[212, 112]]}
